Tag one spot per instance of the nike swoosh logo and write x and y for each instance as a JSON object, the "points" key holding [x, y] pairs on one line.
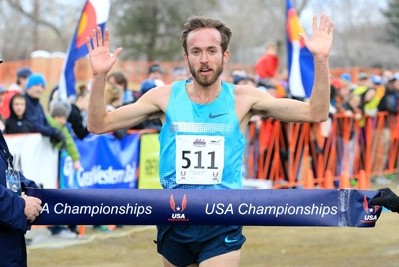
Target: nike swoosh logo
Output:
{"points": [[229, 241], [212, 116]]}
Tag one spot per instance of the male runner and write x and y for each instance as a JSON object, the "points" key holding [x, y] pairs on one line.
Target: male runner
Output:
{"points": [[201, 140]]}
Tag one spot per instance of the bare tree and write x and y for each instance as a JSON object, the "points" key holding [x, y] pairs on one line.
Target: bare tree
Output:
{"points": [[150, 30], [29, 25], [34, 16], [359, 30]]}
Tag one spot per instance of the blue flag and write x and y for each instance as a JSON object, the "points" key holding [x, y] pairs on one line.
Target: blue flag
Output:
{"points": [[95, 12], [300, 60]]}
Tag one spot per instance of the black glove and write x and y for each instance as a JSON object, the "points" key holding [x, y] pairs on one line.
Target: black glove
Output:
{"points": [[388, 199], [58, 137]]}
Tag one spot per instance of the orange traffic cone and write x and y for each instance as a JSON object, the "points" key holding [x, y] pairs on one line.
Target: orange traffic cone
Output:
{"points": [[308, 183], [362, 180], [344, 181], [328, 180]]}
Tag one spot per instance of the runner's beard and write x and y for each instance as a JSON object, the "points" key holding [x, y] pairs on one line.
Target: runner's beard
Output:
{"points": [[206, 81]]}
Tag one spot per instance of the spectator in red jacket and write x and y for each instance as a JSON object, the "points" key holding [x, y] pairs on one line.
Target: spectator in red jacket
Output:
{"points": [[267, 65], [16, 88]]}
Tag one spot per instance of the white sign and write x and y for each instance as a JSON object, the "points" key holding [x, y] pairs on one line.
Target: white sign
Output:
{"points": [[35, 157]]}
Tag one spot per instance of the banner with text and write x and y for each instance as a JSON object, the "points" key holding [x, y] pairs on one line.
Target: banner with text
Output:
{"points": [[269, 207], [106, 162]]}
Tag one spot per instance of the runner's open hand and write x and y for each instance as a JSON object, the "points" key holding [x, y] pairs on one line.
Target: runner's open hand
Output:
{"points": [[101, 60], [319, 44]]}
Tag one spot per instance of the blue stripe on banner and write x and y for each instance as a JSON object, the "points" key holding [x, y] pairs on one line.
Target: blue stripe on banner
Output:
{"points": [[271, 207]]}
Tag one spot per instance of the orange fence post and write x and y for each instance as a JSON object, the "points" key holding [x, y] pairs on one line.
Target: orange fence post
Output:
{"points": [[369, 144], [344, 181], [328, 180], [266, 141], [292, 163], [362, 182], [308, 182], [394, 142], [251, 137], [275, 167]]}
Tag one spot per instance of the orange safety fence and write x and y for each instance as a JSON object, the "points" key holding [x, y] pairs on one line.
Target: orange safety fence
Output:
{"points": [[354, 151]]}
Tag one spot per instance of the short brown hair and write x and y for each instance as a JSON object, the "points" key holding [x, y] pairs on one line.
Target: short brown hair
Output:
{"points": [[120, 79], [194, 23]]}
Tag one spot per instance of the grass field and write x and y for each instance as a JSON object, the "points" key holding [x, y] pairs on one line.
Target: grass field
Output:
{"points": [[265, 246]]}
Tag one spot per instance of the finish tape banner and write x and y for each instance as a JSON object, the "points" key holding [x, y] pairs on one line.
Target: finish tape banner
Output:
{"points": [[269, 207]]}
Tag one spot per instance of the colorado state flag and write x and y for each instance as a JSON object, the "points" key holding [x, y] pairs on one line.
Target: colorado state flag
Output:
{"points": [[300, 60], [95, 12]]}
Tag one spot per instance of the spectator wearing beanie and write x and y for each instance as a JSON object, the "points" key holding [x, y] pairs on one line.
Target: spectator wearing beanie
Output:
{"points": [[35, 86], [22, 77], [154, 79], [147, 85], [59, 112]]}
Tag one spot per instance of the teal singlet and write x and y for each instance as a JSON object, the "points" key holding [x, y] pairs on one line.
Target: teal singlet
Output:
{"points": [[201, 145]]}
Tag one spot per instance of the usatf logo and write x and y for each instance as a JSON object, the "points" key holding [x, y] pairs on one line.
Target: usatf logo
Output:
{"points": [[215, 175], [199, 142], [370, 215], [183, 175], [178, 211]]}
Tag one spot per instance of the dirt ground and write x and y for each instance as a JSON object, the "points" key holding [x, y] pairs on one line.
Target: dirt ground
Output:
{"points": [[265, 246]]}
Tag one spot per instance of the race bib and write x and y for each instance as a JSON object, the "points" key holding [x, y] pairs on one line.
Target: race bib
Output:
{"points": [[199, 159]]}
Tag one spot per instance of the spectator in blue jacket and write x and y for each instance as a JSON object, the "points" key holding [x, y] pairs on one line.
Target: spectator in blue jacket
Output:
{"points": [[34, 111], [16, 213]]}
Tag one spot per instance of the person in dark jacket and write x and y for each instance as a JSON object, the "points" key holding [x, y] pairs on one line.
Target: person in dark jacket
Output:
{"points": [[75, 117], [16, 213], [34, 110], [17, 122], [390, 101]]}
